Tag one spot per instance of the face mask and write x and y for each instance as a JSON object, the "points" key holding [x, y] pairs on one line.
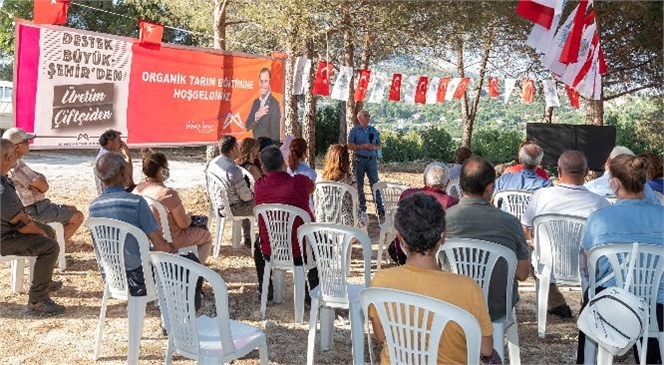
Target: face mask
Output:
{"points": [[613, 186], [165, 173]]}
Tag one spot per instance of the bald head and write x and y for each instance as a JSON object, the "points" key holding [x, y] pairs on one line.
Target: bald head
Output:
{"points": [[530, 155], [476, 176], [572, 167], [110, 169]]}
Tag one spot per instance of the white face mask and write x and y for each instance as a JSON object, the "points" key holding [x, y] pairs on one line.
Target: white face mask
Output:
{"points": [[614, 186], [165, 173]]}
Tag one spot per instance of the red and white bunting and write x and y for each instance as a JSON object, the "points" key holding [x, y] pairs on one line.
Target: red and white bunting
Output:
{"points": [[432, 90], [321, 84], [509, 87], [421, 90], [409, 89], [493, 88], [341, 88], [441, 93], [362, 85], [573, 97], [302, 68], [150, 33], [527, 91], [377, 86], [536, 12], [50, 11], [395, 87], [550, 93]]}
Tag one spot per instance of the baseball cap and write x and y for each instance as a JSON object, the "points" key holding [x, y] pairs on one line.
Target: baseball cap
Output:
{"points": [[620, 150], [17, 135]]}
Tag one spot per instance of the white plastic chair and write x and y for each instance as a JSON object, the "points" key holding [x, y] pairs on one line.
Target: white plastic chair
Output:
{"points": [[659, 196], [279, 220], [99, 185], [513, 202], [109, 237], [454, 189], [249, 176], [331, 244], [207, 340], [162, 217], [60, 237], [413, 325], [612, 199], [646, 280], [17, 269], [557, 242], [220, 209], [390, 193], [477, 259], [329, 203]]}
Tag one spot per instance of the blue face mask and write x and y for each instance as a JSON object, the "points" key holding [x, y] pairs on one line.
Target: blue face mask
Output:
{"points": [[165, 173]]}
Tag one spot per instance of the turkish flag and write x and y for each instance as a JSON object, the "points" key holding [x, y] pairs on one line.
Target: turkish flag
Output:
{"points": [[570, 52], [494, 89], [362, 85], [50, 11], [528, 91], [603, 68], [322, 81], [461, 89], [149, 32], [535, 12], [421, 90], [442, 89], [573, 96], [395, 89]]}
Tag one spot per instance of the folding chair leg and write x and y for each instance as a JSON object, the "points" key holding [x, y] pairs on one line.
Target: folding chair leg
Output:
{"points": [[298, 297], [60, 237], [513, 341], [265, 288], [589, 351], [102, 318], [237, 234], [379, 257], [262, 351], [326, 327], [498, 338], [218, 236], [542, 299], [278, 285], [604, 357], [17, 269]]}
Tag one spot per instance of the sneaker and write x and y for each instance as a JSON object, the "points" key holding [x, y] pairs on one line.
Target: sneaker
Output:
{"points": [[55, 285], [47, 306], [562, 311]]}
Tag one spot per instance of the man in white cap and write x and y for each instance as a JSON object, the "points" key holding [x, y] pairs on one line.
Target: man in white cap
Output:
{"points": [[31, 187], [601, 187]]}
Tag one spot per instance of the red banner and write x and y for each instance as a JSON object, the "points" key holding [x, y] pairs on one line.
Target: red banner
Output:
{"points": [[73, 85], [395, 89]]}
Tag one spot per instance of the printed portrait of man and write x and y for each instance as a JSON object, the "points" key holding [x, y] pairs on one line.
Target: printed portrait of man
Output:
{"points": [[264, 119]]}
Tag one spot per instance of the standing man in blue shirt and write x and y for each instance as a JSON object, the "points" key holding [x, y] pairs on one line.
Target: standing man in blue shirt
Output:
{"points": [[365, 141]]}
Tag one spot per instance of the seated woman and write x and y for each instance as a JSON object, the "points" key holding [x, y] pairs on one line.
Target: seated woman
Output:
{"points": [[655, 172], [630, 219], [337, 169], [420, 225], [296, 164], [155, 168], [248, 155]]}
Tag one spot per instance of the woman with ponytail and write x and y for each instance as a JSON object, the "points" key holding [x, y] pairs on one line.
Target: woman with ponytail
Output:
{"points": [[630, 219], [296, 164]]}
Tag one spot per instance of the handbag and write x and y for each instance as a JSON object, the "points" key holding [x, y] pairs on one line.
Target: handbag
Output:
{"points": [[615, 318]]}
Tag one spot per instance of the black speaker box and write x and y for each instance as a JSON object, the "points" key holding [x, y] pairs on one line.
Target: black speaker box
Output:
{"points": [[594, 141]]}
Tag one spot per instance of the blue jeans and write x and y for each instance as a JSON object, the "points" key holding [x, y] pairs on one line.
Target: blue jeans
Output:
{"points": [[370, 168]]}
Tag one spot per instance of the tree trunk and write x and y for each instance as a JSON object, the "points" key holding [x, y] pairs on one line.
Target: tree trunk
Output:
{"points": [[309, 120], [219, 27], [349, 52], [465, 117], [343, 133], [290, 100], [595, 112]]}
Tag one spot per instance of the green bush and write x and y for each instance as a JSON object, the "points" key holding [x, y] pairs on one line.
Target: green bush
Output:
{"points": [[430, 144], [327, 127], [497, 146]]}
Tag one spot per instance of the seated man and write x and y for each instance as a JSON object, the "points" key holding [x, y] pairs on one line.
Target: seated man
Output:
{"points": [[530, 156], [114, 202], [436, 178], [31, 186], [601, 186], [110, 141], [474, 217], [568, 197], [22, 236], [240, 197], [518, 167], [278, 186], [420, 224]]}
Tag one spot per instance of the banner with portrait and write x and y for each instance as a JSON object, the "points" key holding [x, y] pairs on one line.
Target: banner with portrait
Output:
{"points": [[72, 85]]}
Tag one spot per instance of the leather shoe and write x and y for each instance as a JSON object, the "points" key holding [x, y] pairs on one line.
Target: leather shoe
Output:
{"points": [[562, 311]]}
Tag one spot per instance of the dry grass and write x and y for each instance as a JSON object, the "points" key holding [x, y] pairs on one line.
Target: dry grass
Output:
{"points": [[69, 338]]}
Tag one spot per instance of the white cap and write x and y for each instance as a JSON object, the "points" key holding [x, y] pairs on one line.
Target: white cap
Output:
{"points": [[620, 150], [17, 135]]}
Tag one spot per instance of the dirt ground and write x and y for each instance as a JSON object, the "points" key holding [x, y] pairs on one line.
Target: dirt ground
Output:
{"points": [[70, 338]]}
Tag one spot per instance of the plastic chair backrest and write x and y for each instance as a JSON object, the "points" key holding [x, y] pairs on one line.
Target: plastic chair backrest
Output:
{"points": [[329, 203], [413, 325], [217, 195], [557, 241], [390, 193], [109, 237], [278, 220], [331, 244], [477, 259], [98, 184], [161, 215], [513, 202], [177, 277], [647, 275], [659, 196], [454, 189], [249, 176], [612, 199]]}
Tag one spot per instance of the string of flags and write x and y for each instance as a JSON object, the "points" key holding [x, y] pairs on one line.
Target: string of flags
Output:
{"points": [[374, 87], [572, 52]]}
